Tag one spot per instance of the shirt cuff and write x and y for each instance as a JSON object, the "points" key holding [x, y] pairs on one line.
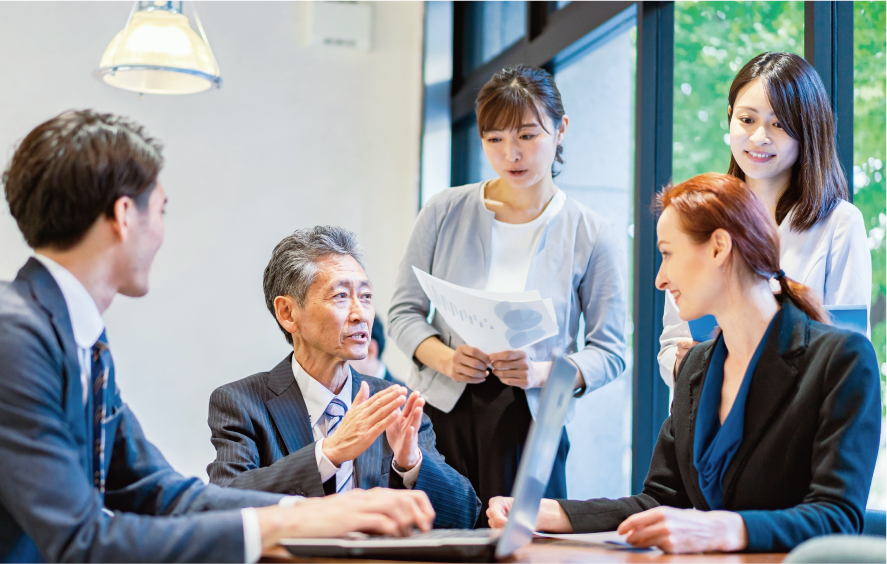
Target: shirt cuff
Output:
{"points": [[252, 535], [326, 468], [409, 477]]}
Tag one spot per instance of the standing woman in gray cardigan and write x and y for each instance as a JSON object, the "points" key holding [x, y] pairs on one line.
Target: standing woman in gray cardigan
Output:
{"points": [[512, 233]]}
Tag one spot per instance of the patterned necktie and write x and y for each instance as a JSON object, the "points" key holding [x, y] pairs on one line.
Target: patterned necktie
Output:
{"points": [[102, 370], [335, 412]]}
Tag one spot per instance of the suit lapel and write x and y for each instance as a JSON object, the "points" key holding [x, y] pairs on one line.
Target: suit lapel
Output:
{"points": [[367, 465], [772, 381], [47, 293], [696, 379], [288, 408]]}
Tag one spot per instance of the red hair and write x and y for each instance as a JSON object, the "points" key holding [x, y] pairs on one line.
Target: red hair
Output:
{"points": [[720, 201]]}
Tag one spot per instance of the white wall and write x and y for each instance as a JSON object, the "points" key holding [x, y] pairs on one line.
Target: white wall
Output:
{"points": [[297, 136]]}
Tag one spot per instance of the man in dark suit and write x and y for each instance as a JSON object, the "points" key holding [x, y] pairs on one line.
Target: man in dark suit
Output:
{"points": [[78, 479], [311, 425], [373, 365]]}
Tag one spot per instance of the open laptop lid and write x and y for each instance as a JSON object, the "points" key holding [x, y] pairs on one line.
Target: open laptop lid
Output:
{"points": [[538, 458]]}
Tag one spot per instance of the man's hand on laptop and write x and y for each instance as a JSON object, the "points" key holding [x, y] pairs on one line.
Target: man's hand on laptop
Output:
{"points": [[365, 421], [403, 433], [552, 517], [378, 511]]}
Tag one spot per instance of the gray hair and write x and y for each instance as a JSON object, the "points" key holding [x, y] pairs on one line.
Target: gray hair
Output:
{"points": [[293, 265]]}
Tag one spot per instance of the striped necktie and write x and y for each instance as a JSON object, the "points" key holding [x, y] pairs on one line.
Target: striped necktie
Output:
{"points": [[102, 371], [335, 412]]}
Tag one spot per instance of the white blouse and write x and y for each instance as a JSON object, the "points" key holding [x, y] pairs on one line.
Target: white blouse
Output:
{"points": [[512, 246], [832, 258]]}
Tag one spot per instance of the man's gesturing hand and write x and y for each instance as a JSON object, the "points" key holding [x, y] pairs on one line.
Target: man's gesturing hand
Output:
{"points": [[377, 511], [365, 421], [403, 433]]}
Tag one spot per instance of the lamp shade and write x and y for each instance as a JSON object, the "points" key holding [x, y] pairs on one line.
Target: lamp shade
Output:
{"points": [[158, 53]]}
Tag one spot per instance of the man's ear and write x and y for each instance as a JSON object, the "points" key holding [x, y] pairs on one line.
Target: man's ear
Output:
{"points": [[372, 350], [124, 217], [286, 310], [721, 246]]}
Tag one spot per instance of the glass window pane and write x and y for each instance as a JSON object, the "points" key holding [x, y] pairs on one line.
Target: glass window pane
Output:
{"points": [[492, 27], [713, 40], [598, 92], [869, 129]]}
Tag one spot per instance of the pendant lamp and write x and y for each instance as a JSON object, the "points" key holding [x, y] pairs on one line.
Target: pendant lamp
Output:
{"points": [[159, 53]]}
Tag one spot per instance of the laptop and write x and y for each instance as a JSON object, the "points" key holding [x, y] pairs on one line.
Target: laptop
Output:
{"points": [[477, 545]]}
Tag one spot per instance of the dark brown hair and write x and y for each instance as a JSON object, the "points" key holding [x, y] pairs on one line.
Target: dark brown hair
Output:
{"points": [[506, 98], [799, 100], [720, 201], [71, 169]]}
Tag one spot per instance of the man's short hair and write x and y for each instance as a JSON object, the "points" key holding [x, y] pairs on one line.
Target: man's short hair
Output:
{"points": [[72, 169], [293, 265]]}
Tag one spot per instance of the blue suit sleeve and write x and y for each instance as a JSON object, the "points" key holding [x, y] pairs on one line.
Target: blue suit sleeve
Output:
{"points": [[66, 520]]}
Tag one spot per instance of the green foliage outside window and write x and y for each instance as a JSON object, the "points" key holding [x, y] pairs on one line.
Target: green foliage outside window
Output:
{"points": [[713, 40]]}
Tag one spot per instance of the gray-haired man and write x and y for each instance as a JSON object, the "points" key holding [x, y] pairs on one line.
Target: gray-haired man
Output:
{"points": [[311, 425]]}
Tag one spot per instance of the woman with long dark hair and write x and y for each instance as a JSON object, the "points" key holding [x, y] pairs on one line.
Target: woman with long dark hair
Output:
{"points": [[782, 140], [775, 423], [512, 233]]}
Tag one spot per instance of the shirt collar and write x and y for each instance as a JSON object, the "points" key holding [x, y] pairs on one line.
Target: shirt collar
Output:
{"points": [[317, 396], [86, 321], [380, 372]]}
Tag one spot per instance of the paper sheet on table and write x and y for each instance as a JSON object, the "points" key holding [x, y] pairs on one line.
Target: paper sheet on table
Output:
{"points": [[609, 539], [491, 321]]}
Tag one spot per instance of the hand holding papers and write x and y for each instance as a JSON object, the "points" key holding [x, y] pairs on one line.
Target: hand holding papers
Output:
{"points": [[491, 321]]}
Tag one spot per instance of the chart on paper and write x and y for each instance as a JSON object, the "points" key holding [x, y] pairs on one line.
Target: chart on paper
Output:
{"points": [[491, 321]]}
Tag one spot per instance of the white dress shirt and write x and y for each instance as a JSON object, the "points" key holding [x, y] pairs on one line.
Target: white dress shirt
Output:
{"points": [[317, 397], [87, 325], [832, 258]]}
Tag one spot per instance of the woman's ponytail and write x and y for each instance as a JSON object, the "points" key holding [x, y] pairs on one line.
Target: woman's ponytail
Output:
{"points": [[804, 297]]}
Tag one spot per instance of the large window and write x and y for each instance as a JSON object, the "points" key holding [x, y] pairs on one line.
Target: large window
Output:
{"points": [[597, 88], [869, 127]]}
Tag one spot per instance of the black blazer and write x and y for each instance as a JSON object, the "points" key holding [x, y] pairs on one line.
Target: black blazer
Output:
{"points": [[262, 434], [805, 464]]}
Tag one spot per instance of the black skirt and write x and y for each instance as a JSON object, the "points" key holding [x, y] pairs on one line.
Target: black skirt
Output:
{"points": [[483, 438]]}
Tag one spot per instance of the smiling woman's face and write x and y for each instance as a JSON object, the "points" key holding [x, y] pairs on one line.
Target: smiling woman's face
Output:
{"points": [[762, 149], [523, 157]]}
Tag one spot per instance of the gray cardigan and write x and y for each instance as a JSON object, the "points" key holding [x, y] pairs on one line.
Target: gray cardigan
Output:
{"points": [[577, 263]]}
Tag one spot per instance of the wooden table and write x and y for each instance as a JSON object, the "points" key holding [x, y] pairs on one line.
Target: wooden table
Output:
{"points": [[561, 551]]}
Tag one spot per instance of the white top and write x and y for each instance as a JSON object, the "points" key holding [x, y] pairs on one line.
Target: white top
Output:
{"points": [[832, 258], [512, 246], [87, 325], [317, 397]]}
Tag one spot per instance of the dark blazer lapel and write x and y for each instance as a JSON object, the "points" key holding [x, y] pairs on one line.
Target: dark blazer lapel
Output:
{"points": [[696, 380], [48, 294], [772, 381], [368, 464], [288, 408]]}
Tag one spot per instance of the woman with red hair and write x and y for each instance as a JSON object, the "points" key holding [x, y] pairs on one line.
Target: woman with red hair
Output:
{"points": [[774, 428]]}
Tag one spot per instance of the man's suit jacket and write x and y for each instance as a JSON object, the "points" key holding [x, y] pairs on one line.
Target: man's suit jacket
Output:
{"points": [[49, 509], [805, 463], [263, 439]]}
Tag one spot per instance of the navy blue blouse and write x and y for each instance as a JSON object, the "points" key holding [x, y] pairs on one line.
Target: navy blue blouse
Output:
{"points": [[714, 444]]}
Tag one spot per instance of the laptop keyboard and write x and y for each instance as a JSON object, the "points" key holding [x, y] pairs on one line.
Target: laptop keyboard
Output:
{"points": [[437, 534]]}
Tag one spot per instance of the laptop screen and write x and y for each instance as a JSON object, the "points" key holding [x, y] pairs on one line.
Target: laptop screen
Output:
{"points": [[538, 457]]}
